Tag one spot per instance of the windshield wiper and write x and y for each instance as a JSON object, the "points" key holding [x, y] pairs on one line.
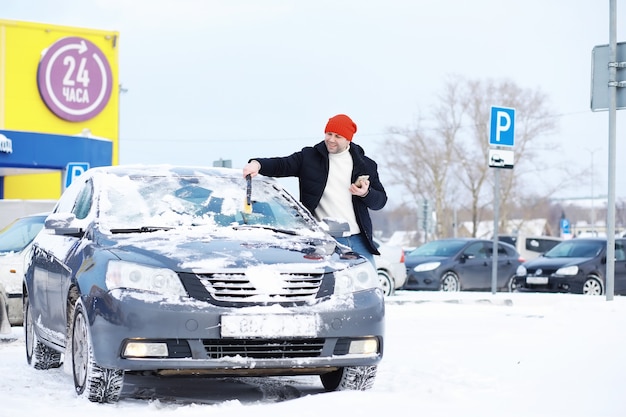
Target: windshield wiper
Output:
{"points": [[265, 227], [142, 229]]}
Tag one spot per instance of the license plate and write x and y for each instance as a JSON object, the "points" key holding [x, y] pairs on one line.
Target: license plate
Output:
{"points": [[269, 325], [536, 280]]}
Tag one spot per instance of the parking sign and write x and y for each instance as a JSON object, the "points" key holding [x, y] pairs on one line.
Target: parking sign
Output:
{"points": [[73, 170], [502, 126]]}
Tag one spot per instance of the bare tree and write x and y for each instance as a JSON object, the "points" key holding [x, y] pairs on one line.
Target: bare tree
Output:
{"points": [[448, 163]]}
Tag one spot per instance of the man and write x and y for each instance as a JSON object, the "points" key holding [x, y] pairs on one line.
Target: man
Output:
{"points": [[336, 180]]}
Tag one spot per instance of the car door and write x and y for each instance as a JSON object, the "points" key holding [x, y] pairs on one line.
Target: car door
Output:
{"points": [[49, 272], [508, 261], [475, 269], [51, 276]]}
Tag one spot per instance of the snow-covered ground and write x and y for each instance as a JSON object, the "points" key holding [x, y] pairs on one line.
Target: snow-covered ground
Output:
{"points": [[463, 354]]}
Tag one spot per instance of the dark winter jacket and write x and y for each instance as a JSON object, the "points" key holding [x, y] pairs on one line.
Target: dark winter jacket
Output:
{"points": [[311, 166]]}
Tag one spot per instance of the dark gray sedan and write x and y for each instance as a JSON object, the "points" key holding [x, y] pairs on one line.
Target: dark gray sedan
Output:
{"points": [[458, 264], [183, 271]]}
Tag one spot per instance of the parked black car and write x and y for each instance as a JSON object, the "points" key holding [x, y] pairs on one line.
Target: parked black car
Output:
{"points": [[460, 264], [175, 271], [574, 266]]}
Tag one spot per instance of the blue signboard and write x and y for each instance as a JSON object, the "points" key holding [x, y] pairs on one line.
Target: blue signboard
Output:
{"points": [[502, 126], [73, 170]]}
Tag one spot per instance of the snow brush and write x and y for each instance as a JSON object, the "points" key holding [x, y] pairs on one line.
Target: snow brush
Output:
{"points": [[247, 207]]}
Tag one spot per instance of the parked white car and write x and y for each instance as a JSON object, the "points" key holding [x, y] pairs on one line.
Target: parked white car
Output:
{"points": [[15, 242], [531, 247], [390, 267]]}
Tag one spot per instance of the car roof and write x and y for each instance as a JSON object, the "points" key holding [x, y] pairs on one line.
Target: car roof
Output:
{"points": [[160, 169]]}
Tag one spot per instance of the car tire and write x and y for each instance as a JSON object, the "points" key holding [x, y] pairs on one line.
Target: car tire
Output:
{"points": [[386, 282], [354, 378], [450, 282], [38, 355], [592, 286], [511, 286], [99, 384]]}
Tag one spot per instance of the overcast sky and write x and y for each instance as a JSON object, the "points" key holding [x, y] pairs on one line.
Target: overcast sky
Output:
{"points": [[234, 79]]}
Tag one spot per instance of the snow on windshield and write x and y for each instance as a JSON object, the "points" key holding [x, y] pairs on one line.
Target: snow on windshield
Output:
{"points": [[171, 201]]}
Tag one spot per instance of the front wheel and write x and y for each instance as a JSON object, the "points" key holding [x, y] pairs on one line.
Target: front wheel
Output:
{"points": [[592, 286], [450, 282], [356, 378], [99, 384], [511, 286]]}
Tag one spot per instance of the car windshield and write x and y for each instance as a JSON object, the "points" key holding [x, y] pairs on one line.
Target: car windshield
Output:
{"points": [[17, 235], [439, 248], [576, 249], [171, 200]]}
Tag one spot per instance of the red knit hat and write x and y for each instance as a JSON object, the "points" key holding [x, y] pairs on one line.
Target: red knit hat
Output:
{"points": [[341, 125]]}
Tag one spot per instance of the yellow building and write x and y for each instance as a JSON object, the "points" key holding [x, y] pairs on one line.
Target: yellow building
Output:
{"points": [[59, 106]]}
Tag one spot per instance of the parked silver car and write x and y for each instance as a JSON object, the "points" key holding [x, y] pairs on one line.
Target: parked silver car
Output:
{"points": [[15, 241], [390, 267]]}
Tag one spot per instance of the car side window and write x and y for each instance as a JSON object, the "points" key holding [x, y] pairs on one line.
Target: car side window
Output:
{"points": [[83, 201], [67, 203], [487, 250], [620, 255], [502, 251], [475, 250]]}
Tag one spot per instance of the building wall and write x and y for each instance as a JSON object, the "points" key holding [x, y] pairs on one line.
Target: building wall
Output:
{"points": [[25, 49]]}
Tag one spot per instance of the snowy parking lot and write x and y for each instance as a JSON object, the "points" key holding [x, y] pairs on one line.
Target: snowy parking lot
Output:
{"points": [[461, 354]]}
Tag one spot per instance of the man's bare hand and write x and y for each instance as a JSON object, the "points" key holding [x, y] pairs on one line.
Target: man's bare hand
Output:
{"points": [[252, 168], [361, 187]]}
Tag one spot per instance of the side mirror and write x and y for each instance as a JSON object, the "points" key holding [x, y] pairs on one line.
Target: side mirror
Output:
{"points": [[61, 223], [466, 256]]}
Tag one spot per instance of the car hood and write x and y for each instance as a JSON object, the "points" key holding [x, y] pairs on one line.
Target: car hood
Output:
{"points": [[185, 250], [553, 263], [412, 261]]}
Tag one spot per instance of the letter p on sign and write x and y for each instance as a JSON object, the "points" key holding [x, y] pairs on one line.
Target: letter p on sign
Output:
{"points": [[73, 170], [502, 126]]}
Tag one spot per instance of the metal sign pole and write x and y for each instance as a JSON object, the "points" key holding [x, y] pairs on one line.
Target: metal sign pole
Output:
{"points": [[610, 250], [496, 216]]}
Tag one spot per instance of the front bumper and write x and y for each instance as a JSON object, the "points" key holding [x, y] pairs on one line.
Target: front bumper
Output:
{"points": [[192, 331], [554, 285], [422, 281]]}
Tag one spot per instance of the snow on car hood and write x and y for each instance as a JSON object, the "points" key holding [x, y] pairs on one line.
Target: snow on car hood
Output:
{"points": [[201, 250]]}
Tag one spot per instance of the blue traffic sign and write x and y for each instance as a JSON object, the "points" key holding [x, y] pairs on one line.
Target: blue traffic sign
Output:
{"points": [[73, 170], [502, 130]]}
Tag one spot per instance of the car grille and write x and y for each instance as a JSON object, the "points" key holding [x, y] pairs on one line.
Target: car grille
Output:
{"points": [[237, 288], [545, 272], [263, 348]]}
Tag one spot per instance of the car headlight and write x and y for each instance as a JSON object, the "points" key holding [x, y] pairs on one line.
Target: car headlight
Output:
{"points": [[521, 271], [567, 270], [357, 278], [426, 266], [164, 281]]}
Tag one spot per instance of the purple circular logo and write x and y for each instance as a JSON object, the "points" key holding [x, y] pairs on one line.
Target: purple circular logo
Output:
{"points": [[74, 79]]}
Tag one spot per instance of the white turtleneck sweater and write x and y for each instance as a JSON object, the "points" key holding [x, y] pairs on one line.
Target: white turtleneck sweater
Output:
{"points": [[336, 202]]}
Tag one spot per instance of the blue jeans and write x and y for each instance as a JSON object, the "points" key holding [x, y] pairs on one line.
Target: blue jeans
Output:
{"points": [[358, 245]]}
